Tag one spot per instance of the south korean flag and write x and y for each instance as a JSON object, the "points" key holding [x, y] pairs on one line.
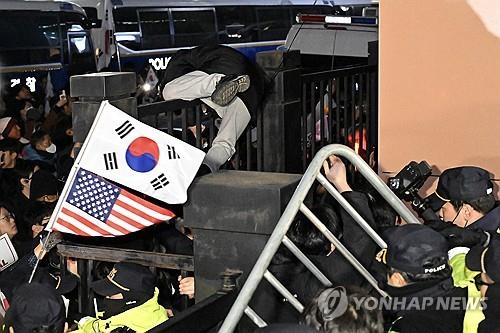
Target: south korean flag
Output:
{"points": [[122, 149]]}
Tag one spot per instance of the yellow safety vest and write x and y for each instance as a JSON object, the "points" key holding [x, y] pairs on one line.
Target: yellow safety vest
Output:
{"points": [[141, 318], [464, 278]]}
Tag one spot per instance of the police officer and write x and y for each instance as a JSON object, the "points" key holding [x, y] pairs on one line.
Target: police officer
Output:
{"points": [[130, 301], [465, 200], [486, 260], [419, 281], [464, 197]]}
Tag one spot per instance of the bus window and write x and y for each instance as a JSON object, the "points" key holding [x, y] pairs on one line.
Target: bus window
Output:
{"points": [[126, 20], [155, 29], [31, 45], [310, 10], [237, 24], [80, 51], [274, 23], [194, 27], [91, 13]]}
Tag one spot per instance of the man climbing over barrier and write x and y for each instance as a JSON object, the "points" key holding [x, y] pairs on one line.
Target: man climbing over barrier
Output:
{"points": [[226, 81]]}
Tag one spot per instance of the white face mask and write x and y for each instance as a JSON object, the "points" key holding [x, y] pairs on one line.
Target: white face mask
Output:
{"points": [[51, 149]]}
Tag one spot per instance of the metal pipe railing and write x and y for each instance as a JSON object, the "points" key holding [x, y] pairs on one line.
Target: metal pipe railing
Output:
{"points": [[283, 291], [307, 262], [257, 320], [351, 211], [342, 249], [276, 238]]}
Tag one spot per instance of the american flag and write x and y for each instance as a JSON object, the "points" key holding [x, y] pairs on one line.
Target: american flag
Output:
{"points": [[96, 207]]}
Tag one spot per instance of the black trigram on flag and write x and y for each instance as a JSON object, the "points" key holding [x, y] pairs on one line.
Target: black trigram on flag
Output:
{"points": [[172, 155], [160, 182], [124, 129], [110, 161]]}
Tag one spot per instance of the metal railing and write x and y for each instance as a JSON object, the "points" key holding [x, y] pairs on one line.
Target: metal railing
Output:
{"points": [[87, 256], [196, 123], [339, 106], [207, 314], [260, 269]]}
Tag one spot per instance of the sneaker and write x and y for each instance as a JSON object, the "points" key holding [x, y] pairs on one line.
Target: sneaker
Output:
{"points": [[228, 87]]}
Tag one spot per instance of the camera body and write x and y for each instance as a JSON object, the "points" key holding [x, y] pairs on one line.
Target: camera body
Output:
{"points": [[408, 182], [410, 179]]}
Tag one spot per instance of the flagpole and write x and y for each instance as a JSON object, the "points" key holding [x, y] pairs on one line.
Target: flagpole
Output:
{"points": [[67, 186], [91, 131], [61, 200]]}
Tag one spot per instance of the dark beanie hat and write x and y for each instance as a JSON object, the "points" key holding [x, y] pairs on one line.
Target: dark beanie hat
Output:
{"points": [[43, 183], [34, 306]]}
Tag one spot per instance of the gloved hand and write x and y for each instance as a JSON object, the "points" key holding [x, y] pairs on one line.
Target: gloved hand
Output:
{"points": [[457, 236]]}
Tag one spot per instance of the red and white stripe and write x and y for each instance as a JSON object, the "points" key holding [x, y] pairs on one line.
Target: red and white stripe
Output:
{"points": [[129, 214]]}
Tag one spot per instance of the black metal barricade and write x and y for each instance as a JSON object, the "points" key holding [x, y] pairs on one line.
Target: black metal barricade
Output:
{"points": [[340, 106], [196, 123], [87, 256]]}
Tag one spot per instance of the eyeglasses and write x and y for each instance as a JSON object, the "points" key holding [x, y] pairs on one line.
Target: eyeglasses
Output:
{"points": [[479, 282]]}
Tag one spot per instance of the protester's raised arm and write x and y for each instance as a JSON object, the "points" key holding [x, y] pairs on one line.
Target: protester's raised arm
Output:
{"points": [[335, 172]]}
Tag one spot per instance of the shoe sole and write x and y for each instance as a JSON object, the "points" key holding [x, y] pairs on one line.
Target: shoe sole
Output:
{"points": [[224, 94]]}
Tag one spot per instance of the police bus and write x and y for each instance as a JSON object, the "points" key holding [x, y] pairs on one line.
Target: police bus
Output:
{"points": [[99, 14], [147, 33], [43, 43]]}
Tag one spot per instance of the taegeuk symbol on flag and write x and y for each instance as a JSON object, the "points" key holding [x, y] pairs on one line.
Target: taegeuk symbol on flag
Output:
{"points": [[124, 150]]}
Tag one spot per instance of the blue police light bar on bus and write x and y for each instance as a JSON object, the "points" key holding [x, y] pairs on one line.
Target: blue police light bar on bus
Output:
{"points": [[329, 19]]}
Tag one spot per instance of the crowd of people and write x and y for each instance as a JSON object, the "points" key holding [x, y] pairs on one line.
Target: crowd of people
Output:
{"points": [[439, 276], [36, 155], [429, 276]]}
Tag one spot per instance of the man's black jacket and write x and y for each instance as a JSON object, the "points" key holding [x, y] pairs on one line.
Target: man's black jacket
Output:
{"points": [[431, 306], [302, 283]]}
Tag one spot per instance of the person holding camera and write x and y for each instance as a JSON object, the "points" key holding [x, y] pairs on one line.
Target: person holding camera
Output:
{"points": [[469, 217], [464, 197]]}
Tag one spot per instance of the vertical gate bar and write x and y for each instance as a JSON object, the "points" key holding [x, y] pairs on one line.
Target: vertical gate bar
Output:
{"points": [[337, 111], [249, 148], [345, 123], [197, 111], [352, 126], [313, 116], [184, 124], [212, 131], [304, 127], [321, 112], [260, 141], [330, 110], [170, 122], [362, 118]]}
